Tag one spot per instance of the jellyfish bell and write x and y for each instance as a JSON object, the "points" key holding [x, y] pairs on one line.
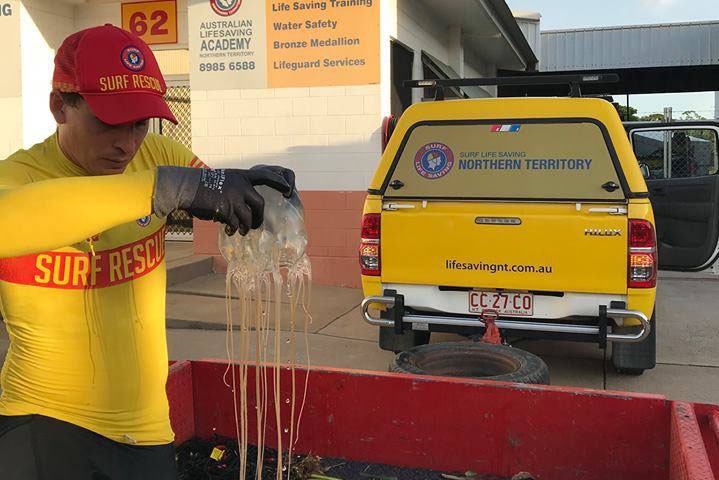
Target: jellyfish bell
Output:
{"points": [[281, 240]]}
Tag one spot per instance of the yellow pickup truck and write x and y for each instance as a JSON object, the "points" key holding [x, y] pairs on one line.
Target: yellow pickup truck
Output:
{"points": [[531, 211]]}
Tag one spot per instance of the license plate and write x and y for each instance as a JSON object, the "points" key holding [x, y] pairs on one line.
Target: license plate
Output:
{"points": [[504, 303]]}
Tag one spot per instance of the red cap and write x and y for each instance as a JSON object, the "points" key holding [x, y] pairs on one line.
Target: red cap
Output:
{"points": [[115, 72]]}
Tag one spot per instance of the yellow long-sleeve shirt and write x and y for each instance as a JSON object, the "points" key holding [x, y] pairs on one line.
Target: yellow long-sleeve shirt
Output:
{"points": [[82, 292]]}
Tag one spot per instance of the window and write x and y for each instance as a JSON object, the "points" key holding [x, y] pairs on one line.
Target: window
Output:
{"points": [[677, 152], [550, 160], [402, 64]]}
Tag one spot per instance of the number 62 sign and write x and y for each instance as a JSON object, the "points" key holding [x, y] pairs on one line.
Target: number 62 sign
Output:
{"points": [[155, 22]]}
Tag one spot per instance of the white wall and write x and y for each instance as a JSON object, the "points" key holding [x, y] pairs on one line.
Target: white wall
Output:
{"points": [[328, 135], [420, 31], [55, 20], [43, 26], [11, 83], [26, 119], [530, 25], [388, 30], [95, 14], [10, 125], [474, 67]]}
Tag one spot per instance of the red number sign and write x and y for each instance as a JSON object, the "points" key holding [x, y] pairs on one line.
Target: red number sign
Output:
{"points": [[155, 22]]}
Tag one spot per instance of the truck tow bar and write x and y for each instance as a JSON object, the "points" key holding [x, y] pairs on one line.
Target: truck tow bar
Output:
{"points": [[491, 332]]}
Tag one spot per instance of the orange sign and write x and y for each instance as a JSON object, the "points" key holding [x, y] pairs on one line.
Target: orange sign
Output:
{"points": [[322, 43], [155, 22]]}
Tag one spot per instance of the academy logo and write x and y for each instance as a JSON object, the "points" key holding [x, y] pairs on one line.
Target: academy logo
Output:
{"points": [[144, 221], [132, 58], [225, 7], [434, 160]]}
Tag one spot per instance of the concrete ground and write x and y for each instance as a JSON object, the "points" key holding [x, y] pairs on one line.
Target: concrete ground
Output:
{"points": [[687, 347]]}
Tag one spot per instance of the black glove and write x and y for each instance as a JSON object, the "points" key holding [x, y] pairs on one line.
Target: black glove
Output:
{"points": [[286, 173], [225, 195]]}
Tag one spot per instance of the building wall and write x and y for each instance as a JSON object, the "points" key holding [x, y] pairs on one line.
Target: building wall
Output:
{"points": [[44, 24], [529, 23], [10, 125], [11, 81], [634, 46], [40, 27], [421, 31], [328, 135], [474, 67], [53, 20]]}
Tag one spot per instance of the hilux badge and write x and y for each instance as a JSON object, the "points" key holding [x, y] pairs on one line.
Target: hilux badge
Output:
{"points": [[606, 232]]}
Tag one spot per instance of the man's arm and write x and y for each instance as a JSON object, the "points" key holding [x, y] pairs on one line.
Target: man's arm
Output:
{"points": [[55, 213]]}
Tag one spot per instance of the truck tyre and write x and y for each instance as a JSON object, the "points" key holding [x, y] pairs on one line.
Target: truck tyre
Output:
{"points": [[388, 340], [475, 360], [634, 358]]}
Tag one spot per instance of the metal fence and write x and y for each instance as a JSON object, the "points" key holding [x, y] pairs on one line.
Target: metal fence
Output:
{"points": [[179, 223], [677, 153]]}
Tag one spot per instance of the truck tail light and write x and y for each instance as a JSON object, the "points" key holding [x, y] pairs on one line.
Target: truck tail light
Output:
{"points": [[642, 262], [369, 251]]}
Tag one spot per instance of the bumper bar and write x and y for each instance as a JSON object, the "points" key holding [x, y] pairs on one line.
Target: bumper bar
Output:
{"points": [[511, 324]]}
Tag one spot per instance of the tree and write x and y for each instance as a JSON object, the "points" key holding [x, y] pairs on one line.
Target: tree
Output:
{"points": [[652, 117], [627, 114], [691, 115]]}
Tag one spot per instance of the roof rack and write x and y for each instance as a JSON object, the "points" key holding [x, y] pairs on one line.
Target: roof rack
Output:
{"points": [[573, 81]]}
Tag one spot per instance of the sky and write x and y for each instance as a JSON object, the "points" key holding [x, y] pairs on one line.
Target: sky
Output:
{"points": [[566, 14]]}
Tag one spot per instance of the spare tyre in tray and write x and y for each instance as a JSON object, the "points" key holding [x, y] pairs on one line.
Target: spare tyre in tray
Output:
{"points": [[475, 360]]}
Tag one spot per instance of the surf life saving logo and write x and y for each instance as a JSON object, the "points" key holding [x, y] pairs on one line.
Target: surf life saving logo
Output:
{"points": [[144, 221], [434, 160], [132, 58], [225, 7]]}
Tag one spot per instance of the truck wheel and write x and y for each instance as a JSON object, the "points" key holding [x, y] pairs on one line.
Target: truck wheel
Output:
{"points": [[388, 340], [634, 358], [476, 360]]}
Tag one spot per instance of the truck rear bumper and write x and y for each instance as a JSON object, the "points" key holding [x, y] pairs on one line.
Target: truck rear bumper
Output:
{"points": [[422, 321]]}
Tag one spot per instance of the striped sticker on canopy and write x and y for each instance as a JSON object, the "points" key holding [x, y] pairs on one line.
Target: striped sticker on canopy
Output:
{"points": [[505, 128]]}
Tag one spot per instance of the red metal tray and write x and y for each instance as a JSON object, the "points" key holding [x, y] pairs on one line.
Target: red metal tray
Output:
{"points": [[451, 424]]}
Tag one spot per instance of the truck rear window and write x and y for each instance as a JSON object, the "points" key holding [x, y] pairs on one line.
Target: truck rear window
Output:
{"points": [[562, 160]]}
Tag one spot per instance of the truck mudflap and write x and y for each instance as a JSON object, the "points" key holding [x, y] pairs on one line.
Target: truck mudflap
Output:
{"points": [[422, 321]]}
